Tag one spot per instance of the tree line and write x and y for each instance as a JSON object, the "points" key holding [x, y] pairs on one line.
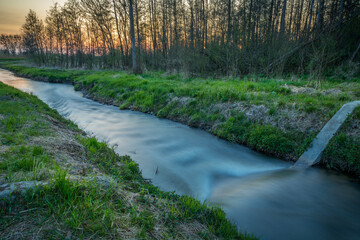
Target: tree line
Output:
{"points": [[12, 44], [221, 37]]}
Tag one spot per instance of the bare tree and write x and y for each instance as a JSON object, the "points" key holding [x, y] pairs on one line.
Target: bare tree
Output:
{"points": [[198, 36], [132, 32]]}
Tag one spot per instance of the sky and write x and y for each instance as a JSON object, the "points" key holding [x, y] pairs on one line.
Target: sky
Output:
{"points": [[12, 12]]}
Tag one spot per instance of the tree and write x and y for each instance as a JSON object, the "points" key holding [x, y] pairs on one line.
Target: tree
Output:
{"points": [[11, 43], [33, 36], [132, 32], [197, 36]]}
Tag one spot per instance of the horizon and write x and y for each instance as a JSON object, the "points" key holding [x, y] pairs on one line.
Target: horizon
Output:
{"points": [[13, 12]]}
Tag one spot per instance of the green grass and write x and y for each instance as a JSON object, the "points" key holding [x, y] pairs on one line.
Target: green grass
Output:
{"points": [[343, 151], [23, 163], [128, 206], [11, 59], [23, 158], [219, 105], [181, 208], [19, 120]]}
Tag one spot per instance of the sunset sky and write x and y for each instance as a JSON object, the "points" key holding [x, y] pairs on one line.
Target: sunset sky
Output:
{"points": [[12, 12]]}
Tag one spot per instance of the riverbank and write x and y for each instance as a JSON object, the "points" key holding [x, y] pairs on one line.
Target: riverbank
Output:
{"points": [[345, 145], [56, 182], [279, 117]]}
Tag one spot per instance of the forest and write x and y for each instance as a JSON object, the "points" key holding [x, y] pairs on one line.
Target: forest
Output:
{"points": [[196, 37]]}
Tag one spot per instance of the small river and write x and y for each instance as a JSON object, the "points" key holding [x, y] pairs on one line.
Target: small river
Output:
{"points": [[260, 194]]}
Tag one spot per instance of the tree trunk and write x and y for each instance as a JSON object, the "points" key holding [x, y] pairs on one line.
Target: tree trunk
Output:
{"points": [[318, 16], [132, 33], [229, 21], [340, 11], [310, 18], [118, 29], [282, 24], [138, 35]]}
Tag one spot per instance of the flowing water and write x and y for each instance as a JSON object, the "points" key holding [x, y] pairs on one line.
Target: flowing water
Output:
{"points": [[261, 195]]}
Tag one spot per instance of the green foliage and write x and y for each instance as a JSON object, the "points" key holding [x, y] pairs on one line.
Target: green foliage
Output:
{"points": [[267, 138], [262, 138], [11, 59], [23, 158], [272, 111], [79, 204], [21, 118], [343, 152], [188, 208], [106, 157]]}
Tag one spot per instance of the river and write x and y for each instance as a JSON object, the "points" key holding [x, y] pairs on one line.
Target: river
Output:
{"points": [[260, 194]]}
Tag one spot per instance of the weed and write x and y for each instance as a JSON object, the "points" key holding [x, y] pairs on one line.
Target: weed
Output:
{"points": [[272, 111]]}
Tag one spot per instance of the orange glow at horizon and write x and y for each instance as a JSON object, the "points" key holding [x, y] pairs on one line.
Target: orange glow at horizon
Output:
{"points": [[13, 12]]}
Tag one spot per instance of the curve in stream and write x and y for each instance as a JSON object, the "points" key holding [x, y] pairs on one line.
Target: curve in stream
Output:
{"points": [[261, 195]]}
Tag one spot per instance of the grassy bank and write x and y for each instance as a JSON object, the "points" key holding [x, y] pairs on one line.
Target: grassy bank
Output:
{"points": [[343, 152], [83, 188], [279, 117]]}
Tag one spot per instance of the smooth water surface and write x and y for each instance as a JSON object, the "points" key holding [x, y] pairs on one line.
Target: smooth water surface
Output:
{"points": [[261, 195]]}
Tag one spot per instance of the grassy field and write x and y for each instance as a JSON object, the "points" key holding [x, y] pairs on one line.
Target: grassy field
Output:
{"points": [[276, 116], [83, 188]]}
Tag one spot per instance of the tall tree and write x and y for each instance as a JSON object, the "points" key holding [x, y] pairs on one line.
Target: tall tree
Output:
{"points": [[208, 37], [132, 32], [33, 35]]}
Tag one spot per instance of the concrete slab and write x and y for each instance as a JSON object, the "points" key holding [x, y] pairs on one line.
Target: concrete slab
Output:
{"points": [[313, 154]]}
